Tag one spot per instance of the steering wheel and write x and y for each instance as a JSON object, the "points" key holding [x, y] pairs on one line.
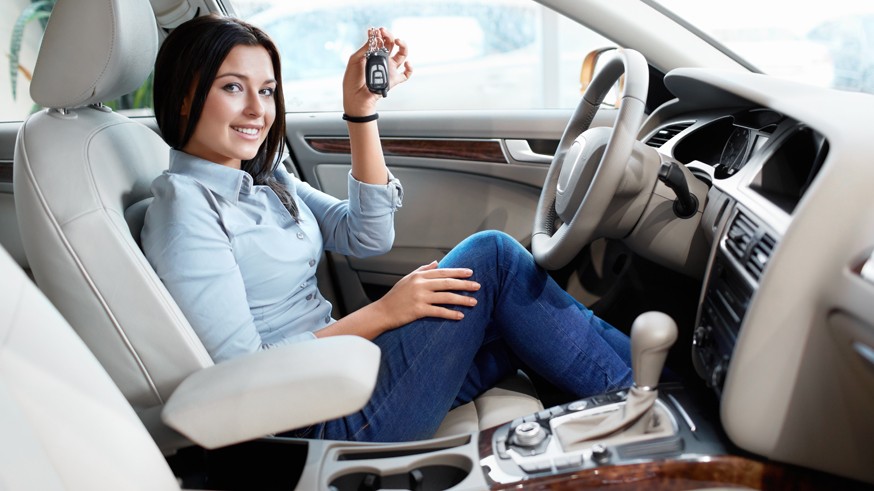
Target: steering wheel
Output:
{"points": [[589, 165]]}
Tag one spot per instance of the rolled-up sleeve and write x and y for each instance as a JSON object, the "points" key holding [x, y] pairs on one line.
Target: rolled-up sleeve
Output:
{"points": [[373, 200], [362, 225]]}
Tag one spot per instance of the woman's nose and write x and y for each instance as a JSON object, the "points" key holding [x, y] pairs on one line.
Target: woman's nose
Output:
{"points": [[254, 105]]}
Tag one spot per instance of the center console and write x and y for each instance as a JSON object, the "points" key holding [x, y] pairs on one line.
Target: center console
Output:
{"points": [[679, 432], [526, 452], [646, 422], [740, 259]]}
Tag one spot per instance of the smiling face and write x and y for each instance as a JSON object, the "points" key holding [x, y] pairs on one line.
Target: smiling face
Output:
{"points": [[239, 109]]}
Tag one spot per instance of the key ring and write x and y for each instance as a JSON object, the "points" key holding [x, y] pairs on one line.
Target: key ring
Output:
{"points": [[374, 42]]}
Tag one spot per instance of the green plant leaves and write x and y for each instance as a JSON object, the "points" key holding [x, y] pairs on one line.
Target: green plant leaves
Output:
{"points": [[38, 10]]}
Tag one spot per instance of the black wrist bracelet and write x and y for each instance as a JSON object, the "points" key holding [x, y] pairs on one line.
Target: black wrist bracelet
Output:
{"points": [[361, 119]]}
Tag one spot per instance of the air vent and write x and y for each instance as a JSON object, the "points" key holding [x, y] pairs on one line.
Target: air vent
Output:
{"points": [[664, 134], [760, 255], [740, 236]]}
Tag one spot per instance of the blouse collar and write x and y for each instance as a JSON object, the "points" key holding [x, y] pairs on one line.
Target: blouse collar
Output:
{"points": [[224, 181]]}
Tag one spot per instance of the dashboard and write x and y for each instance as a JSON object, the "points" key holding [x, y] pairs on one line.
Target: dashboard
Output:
{"points": [[728, 143], [785, 323]]}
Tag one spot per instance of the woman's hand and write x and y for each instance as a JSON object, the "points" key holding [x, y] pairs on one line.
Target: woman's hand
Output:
{"points": [[357, 99], [425, 293]]}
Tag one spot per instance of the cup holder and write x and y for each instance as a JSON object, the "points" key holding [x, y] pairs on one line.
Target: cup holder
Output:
{"points": [[426, 478]]}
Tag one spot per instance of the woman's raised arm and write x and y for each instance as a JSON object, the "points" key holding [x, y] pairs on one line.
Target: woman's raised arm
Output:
{"points": [[368, 163]]}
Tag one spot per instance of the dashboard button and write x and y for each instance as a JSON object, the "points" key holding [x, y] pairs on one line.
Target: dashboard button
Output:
{"points": [[578, 405]]}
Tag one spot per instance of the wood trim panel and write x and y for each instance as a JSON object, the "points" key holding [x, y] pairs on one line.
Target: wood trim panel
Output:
{"points": [[478, 150]]}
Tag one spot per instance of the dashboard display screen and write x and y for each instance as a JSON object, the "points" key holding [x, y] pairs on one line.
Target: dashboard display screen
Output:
{"points": [[791, 168]]}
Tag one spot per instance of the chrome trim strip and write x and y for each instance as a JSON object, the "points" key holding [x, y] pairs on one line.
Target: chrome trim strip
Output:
{"points": [[865, 352], [683, 413]]}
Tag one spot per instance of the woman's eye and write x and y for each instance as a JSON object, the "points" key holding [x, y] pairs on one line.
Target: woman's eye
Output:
{"points": [[233, 88], [269, 91]]}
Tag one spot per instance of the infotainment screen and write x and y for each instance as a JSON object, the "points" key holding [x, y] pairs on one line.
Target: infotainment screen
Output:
{"points": [[791, 168]]}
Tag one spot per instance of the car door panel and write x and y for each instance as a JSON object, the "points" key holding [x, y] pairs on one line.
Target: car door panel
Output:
{"points": [[462, 172], [446, 207]]}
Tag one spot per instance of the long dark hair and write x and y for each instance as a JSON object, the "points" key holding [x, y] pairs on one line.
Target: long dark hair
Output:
{"points": [[190, 57]]}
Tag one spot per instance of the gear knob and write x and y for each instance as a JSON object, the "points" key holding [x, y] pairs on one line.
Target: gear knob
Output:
{"points": [[652, 335]]}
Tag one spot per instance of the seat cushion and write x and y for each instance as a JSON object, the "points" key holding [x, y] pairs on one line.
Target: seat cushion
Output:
{"points": [[512, 398]]}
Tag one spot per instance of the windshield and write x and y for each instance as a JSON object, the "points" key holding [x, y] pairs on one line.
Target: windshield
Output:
{"points": [[829, 44]]}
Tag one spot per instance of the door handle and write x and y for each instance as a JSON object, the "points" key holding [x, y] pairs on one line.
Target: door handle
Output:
{"points": [[520, 151]]}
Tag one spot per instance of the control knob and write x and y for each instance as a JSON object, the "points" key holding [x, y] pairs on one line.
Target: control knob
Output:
{"points": [[701, 337], [529, 434], [717, 376], [600, 453]]}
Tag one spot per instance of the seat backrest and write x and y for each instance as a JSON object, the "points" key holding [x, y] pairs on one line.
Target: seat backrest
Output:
{"points": [[80, 170], [64, 424]]}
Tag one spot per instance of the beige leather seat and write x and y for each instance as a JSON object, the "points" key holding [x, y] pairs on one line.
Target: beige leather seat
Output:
{"points": [[82, 179], [64, 423]]}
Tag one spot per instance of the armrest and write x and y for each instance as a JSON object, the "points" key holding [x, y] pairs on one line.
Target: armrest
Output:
{"points": [[276, 390]]}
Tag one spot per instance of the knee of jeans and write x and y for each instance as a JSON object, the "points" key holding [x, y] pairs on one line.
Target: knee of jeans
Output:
{"points": [[480, 241], [491, 238], [508, 248], [490, 246]]}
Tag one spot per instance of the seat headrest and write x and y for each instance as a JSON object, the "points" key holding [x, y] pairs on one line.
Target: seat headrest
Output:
{"points": [[94, 51]]}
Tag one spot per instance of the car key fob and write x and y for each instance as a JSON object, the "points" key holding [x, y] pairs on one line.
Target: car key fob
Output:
{"points": [[376, 71]]}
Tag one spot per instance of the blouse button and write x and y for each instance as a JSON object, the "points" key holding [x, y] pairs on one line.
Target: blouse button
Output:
{"points": [[312, 262], [303, 285], [300, 235], [327, 319], [310, 296]]}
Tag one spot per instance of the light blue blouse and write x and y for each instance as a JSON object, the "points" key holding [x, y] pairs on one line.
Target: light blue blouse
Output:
{"points": [[236, 262]]}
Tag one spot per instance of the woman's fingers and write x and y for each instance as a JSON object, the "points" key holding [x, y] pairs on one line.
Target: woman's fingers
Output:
{"points": [[444, 313], [434, 272], [449, 284], [427, 267], [434, 290], [400, 55], [401, 70], [447, 298], [445, 279], [445, 284]]}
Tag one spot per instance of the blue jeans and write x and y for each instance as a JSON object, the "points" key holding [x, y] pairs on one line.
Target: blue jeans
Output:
{"points": [[522, 319]]}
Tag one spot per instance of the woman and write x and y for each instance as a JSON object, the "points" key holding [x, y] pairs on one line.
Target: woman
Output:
{"points": [[236, 240]]}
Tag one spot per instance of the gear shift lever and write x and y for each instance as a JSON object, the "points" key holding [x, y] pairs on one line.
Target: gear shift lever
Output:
{"points": [[652, 335]]}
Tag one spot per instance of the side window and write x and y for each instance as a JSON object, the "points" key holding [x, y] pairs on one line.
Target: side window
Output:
{"points": [[21, 26], [22, 23], [468, 54]]}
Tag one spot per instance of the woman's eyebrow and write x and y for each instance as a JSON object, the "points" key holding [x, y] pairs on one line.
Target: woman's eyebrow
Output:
{"points": [[241, 76]]}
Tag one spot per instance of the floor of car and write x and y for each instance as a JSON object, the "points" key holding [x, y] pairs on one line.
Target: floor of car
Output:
{"points": [[647, 286]]}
